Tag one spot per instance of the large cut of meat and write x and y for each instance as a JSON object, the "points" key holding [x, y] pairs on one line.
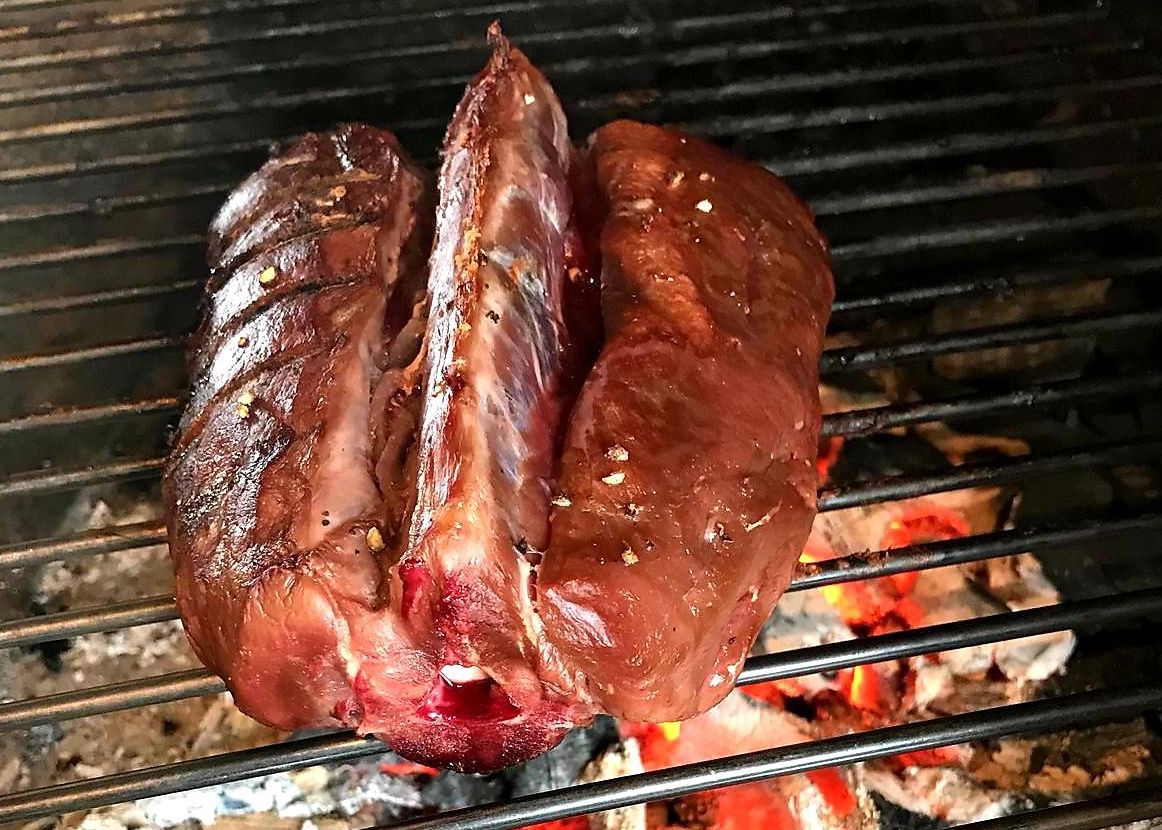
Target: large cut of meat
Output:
{"points": [[499, 377], [290, 446], [687, 479], [562, 467]]}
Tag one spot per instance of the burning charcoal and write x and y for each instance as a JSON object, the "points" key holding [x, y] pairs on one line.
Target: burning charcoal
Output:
{"points": [[895, 817], [1059, 359], [877, 456], [562, 765], [803, 619], [451, 790], [822, 800], [952, 794], [618, 761]]}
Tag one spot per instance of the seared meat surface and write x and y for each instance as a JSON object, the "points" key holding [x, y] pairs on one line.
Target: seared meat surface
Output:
{"points": [[303, 371], [564, 466], [687, 479], [500, 373]]}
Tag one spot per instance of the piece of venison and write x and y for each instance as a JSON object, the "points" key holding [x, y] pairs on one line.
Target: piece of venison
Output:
{"points": [[390, 514], [292, 447], [505, 280], [687, 482]]}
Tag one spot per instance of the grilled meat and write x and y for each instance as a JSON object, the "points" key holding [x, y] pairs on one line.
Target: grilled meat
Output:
{"points": [[418, 501], [300, 412], [687, 479], [501, 371]]}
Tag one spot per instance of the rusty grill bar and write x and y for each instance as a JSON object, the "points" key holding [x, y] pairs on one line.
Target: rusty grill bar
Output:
{"points": [[951, 153]]}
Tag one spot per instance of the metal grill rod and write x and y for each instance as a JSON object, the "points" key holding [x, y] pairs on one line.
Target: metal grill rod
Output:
{"points": [[87, 415], [116, 472], [894, 488], [931, 639], [63, 626], [1056, 713], [1024, 180], [858, 358], [768, 124], [1094, 814], [855, 422], [1042, 715], [100, 250], [1114, 268], [638, 28], [961, 143], [186, 775], [120, 21], [69, 302], [111, 204], [728, 125], [993, 231], [793, 663], [114, 697], [128, 20], [858, 422], [833, 361], [886, 489], [859, 566], [877, 419], [999, 284], [795, 81], [968, 234], [774, 123], [90, 543]]}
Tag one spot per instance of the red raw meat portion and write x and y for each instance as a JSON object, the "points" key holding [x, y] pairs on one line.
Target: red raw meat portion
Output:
{"points": [[688, 471]]}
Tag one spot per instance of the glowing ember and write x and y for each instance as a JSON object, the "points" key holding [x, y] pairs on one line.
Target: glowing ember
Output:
{"points": [[836, 793], [864, 689], [671, 730], [829, 449], [872, 604], [404, 768]]}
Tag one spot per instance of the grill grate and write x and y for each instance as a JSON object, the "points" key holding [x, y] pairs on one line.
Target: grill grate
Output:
{"points": [[954, 150]]}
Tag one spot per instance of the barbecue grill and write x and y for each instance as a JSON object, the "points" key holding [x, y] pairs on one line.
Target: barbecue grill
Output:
{"points": [[955, 151]]}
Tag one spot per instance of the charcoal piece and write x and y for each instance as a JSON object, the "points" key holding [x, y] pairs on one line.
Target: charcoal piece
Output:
{"points": [[562, 765]]}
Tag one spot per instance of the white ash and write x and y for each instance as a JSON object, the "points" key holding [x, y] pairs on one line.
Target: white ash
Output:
{"points": [[307, 793], [803, 619], [940, 792], [968, 592], [119, 741], [618, 761]]}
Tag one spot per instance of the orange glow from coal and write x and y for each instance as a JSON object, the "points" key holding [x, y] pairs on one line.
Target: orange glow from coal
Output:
{"points": [[829, 449], [839, 798], [671, 730], [944, 756], [656, 749], [751, 806], [404, 768], [768, 691], [864, 692], [926, 522]]}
